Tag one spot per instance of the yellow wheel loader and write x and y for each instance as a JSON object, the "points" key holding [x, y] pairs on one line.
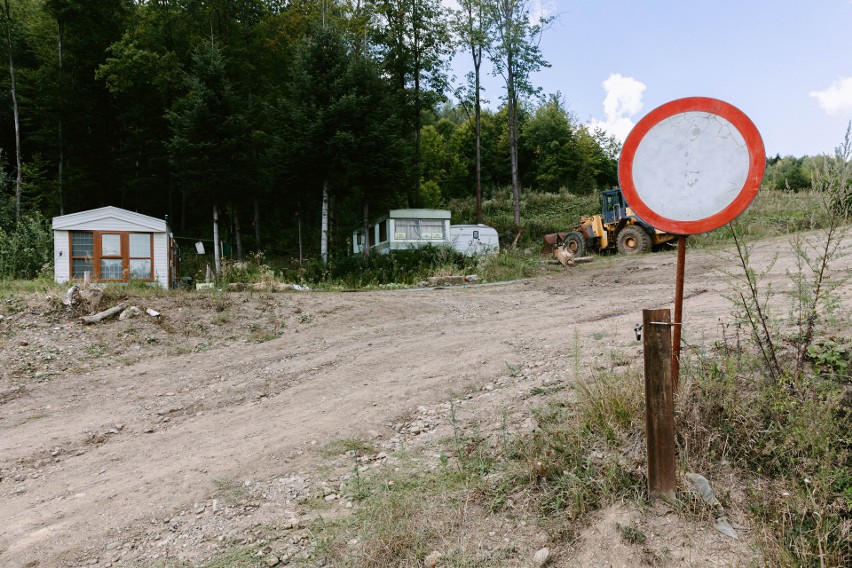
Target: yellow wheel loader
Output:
{"points": [[615, 228]]}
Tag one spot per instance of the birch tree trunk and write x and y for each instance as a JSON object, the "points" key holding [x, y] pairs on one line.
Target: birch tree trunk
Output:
{"points": [[217, 261], [19, 178], [477, 61], [324, 230], [512, 102]]}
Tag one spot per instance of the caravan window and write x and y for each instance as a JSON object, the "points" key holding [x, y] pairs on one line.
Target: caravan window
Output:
{"points": [[383, 231], [419, 229]]}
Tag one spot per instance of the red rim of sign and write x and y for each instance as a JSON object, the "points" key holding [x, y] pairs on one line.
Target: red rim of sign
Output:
{"points": [[756, 155]]}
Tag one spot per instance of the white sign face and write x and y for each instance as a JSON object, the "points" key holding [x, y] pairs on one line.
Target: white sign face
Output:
{"points": [[691, 165]]}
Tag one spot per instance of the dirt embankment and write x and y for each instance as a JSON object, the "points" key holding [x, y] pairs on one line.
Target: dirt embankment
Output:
{"points": [[146, 440]]}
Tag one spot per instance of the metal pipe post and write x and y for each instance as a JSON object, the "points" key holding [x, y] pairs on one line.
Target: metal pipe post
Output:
{"points": [[678, 310]]}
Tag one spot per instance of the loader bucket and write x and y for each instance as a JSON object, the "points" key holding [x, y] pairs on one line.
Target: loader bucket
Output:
{"points": [[550, 241]]}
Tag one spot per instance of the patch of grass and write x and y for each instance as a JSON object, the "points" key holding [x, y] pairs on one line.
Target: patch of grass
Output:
{"points": [[242, 557], [771, 214], [402, 516], [612, 406], [95, 350], [631, 534], [512, 265], [35, 286], [220, 319], [343, 445], [219, 300], [544, 391], [231, 491], [566, 466], [791, 439], [261, 336]]}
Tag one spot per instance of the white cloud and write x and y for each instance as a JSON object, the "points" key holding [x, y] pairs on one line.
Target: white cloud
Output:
{"points": [[541, 9], [623, 101], [837, 99]]}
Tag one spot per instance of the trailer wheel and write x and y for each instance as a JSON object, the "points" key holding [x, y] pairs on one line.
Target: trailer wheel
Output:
{"points": [[633, 240], [575, 243]]}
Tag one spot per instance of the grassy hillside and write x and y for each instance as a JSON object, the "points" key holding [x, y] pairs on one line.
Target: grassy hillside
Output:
{"points": [[772, 213]]}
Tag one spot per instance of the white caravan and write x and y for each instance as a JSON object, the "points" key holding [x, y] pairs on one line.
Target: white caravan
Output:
{"points": [[474, 239]]}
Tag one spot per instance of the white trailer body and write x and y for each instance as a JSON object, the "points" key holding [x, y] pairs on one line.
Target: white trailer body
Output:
{"points": [[474, 239]]}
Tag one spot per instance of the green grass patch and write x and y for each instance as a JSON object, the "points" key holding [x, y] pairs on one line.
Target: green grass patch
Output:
{"points": [[772, 213], [344, 445], [231, 491], [401, 515], [789, 441]]}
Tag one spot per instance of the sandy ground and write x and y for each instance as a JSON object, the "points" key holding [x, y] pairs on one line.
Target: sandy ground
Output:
{"points": [[142, 441]]}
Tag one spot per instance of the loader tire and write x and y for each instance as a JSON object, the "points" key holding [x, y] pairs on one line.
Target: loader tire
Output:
{"points": [[633, 240], [575, 243]]}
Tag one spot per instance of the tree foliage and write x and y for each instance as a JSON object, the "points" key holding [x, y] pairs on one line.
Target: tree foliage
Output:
{"points": [[167, 107]]}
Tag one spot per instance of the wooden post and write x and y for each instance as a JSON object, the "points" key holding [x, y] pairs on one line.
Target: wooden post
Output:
{"points": [[659, 403]]}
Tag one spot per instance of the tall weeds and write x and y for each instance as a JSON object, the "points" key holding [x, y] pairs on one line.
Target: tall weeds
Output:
{"points": [[812, 281]]}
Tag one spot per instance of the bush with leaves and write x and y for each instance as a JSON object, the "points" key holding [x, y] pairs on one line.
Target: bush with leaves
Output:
{"points": [[398, 267], [25, 248]]}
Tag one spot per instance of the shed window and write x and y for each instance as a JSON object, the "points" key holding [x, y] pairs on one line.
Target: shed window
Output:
{"points": [[112, 262], [82, 253], [140, 260], [110, 244], [112, 256]]}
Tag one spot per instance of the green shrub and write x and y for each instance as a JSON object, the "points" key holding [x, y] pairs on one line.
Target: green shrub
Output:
{"points": [[791, 438], [27, 248], [404, 267]]}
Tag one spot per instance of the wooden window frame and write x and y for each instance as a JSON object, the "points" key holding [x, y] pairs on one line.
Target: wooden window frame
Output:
{"points": [[124, 250], [72, 258], [128, 257], [122, 255]]}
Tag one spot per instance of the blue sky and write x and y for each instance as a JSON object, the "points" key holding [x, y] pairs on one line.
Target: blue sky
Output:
{"points": [[786, 64]]}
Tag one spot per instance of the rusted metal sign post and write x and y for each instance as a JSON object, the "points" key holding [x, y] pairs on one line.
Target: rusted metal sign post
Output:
{"points": [[678, 309], [659, 403], [689, 166]]}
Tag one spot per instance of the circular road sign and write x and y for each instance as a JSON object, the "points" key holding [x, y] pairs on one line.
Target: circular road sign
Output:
{"points": [[691, 165]]}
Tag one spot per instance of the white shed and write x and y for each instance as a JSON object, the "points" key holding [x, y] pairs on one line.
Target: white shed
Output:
{"points": [[114, 245]]}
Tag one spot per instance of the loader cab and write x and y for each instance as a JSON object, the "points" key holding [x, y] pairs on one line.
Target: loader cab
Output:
{"points": [[613, 206]]}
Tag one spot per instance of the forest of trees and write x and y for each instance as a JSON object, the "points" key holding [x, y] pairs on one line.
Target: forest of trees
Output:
{"points": [[264, 110]]}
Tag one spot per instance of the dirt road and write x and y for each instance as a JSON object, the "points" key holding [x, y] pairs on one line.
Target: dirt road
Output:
{"points": [[121, 442]]}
